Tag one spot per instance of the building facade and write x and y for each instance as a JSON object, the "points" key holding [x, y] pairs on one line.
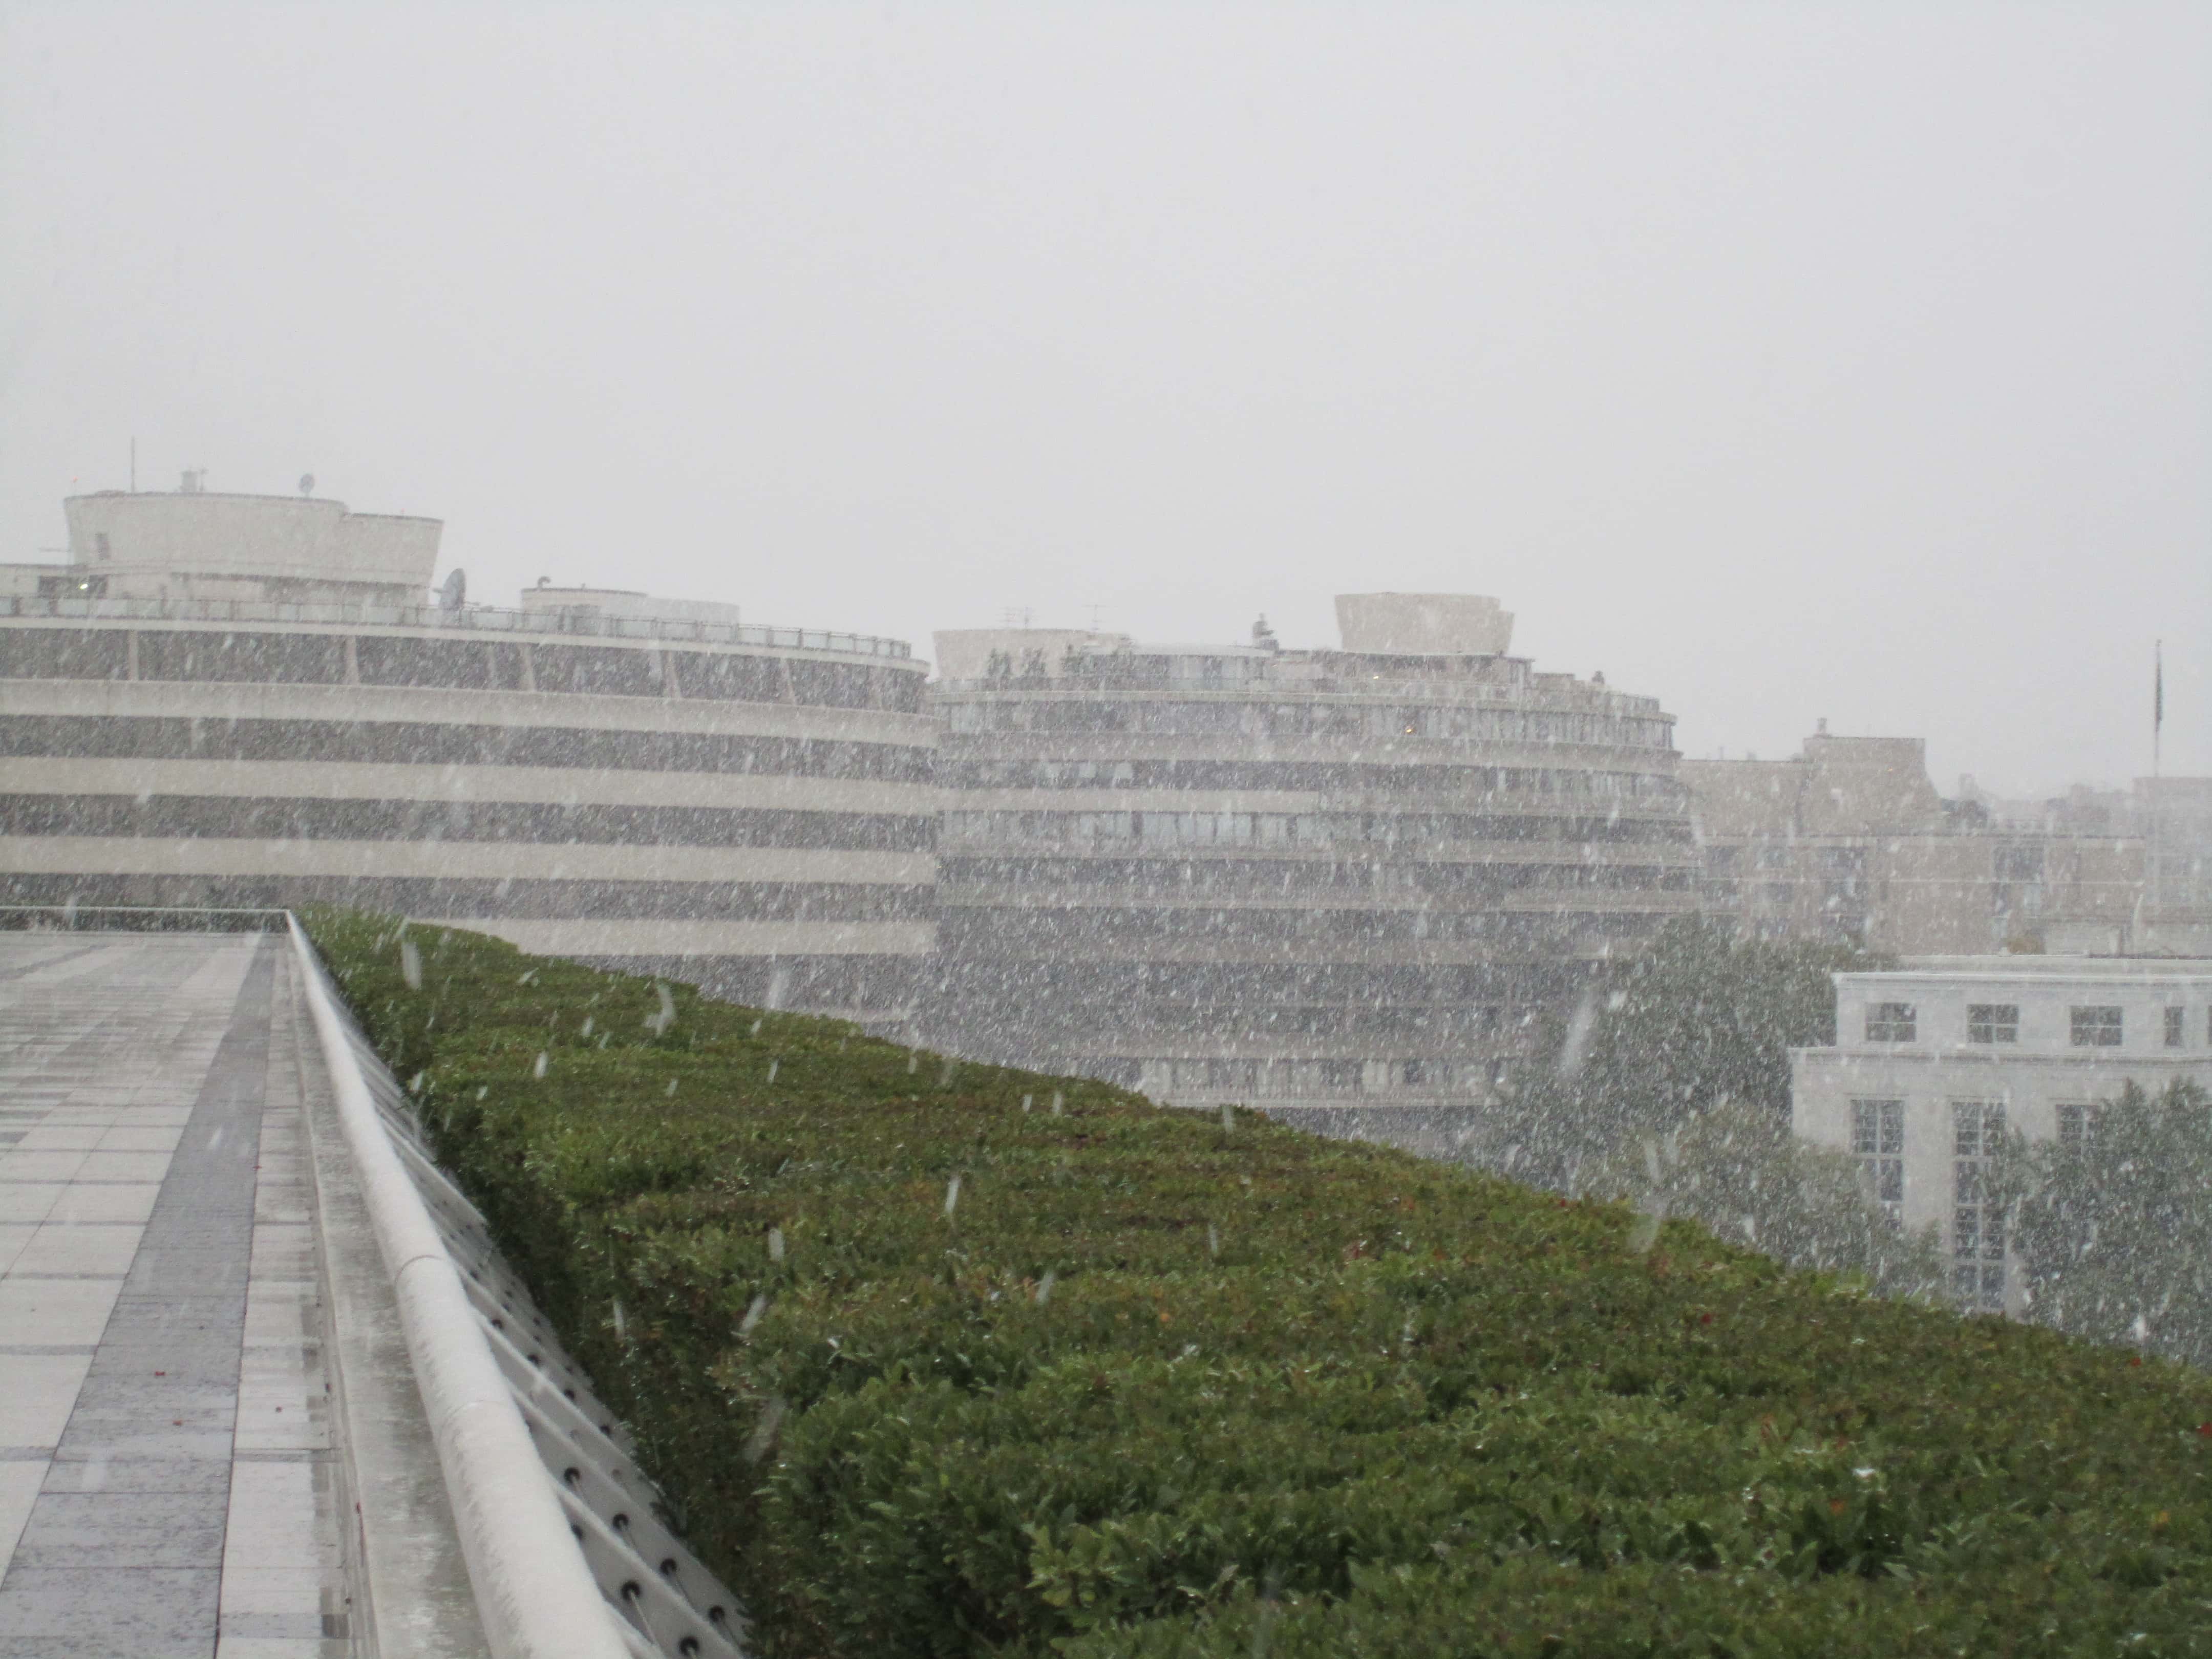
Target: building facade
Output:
{"points": [[1849, 842], [2174, 817], [248, 700], [1338, 884], [1933, 1063]]}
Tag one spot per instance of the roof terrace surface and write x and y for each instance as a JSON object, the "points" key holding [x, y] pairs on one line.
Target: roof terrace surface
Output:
{"points": [[169, 1472], [235, 1415]]}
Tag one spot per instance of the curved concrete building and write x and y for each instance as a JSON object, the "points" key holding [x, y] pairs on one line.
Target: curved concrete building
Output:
{"points": [[1337, 884], [649, 783]]}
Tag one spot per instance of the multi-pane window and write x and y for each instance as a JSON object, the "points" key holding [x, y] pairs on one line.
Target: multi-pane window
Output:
{"points": [[1992, 1021], [2096, 1028], [2173, 1019], [1978, 1233], [1878, 1142], [2077, 1126], [1891, 1022]]}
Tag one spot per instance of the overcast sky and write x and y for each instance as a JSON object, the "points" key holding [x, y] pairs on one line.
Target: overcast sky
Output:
{"points": [[1849, 360]]}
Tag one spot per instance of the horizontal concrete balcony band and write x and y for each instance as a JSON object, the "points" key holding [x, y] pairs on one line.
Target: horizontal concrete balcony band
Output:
{"points": [[1408, 751], [1670, 854], [437, 622], [1288, 999], [238, 700], [212, 856], [165, 816], [1554, 695], [457, 780], [816, 903], [1436, 797], [1314, 1100], [1026, 947], [1254, 1014], [699, 939], [1231, 1031], [1543, 899], [1132, 1044], [1043, 868]]}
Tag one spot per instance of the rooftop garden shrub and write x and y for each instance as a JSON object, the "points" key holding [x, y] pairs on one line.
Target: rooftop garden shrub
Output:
{"points": [[934, 1358]]}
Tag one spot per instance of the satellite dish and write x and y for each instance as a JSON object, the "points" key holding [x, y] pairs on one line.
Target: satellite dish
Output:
{"points": [[307, 484], [455, 590]]}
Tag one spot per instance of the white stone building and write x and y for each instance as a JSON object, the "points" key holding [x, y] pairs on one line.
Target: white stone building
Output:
{"points": [[1930, 1062]]}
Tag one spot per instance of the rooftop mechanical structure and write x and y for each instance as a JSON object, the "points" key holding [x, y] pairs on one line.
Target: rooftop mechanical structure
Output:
{"points": [[1338, 884], [227, 699]]}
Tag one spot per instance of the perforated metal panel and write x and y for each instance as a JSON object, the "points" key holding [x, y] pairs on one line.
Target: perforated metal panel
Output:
{"points": [[670, 1604]]}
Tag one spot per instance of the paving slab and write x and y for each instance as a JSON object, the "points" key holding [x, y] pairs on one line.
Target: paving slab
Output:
{"points": [[136, 1229]]}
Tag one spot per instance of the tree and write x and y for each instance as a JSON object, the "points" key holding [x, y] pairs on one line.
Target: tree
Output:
{"points": [[1699, 1017], [2112, 1230], [1739, 1169]]}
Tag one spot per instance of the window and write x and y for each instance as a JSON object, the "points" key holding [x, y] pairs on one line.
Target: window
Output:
{"points": [[2174, 1018], [1878, 1142], [1977, 1229], [1993, 1022], [2019, 863], [1890, 1022], [1232, 1074], [2096, 1028], [1341, 1074], [2077, 1127]]}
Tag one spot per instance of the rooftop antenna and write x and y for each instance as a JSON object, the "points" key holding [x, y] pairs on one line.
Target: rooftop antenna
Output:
{"points": [[1093, 607], [455, 591], [134, 466], [1018, 615]]}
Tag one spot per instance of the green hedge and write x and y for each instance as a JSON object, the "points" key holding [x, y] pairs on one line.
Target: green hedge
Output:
{"points": [[1162, 1384]]}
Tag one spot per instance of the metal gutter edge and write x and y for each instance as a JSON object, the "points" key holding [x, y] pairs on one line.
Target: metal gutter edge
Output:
{"points": [[535, 1593]]}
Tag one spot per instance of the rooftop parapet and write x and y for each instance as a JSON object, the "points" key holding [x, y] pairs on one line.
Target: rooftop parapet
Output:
{"points": [[626, 605], [1041, 661], [588, 623]]}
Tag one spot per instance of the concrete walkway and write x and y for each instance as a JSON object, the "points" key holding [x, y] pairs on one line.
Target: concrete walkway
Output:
{"points": [[168, 1483]]}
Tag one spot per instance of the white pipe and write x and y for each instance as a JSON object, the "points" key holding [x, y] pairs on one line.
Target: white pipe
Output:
{"points": [[535, 1595]]}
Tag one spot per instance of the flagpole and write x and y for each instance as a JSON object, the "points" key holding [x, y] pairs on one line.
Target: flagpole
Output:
{"points": [[2157, 700]]}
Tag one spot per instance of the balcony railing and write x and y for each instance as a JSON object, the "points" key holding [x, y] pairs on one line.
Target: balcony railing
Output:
{"points": [[468, 618]]}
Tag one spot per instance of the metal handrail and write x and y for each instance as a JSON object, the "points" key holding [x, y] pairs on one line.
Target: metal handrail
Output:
{"points": [[526, 1426], [535, 1593], [468, 618]]}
